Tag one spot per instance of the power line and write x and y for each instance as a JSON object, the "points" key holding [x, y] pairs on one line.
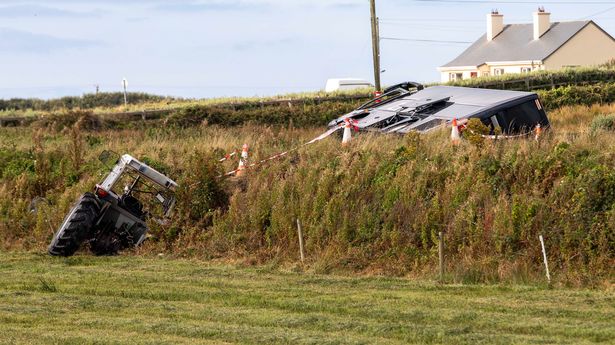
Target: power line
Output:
{"points": [[423, 19], [599, 13], [521, 2], [430, 22], [423, 40], [439, 27]]}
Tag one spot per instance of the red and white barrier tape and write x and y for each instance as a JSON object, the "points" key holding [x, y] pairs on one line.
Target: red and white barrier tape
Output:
{"points": [[282, 154], [496, 137], [228, 156], [350, 123]]}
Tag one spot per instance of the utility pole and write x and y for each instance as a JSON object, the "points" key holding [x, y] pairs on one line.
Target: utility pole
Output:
{"points": [[375, 44]]}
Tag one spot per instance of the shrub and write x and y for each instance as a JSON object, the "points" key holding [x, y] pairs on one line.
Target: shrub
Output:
{"points": [[603, 122]]}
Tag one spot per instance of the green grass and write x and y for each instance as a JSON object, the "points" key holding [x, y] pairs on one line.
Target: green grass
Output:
{"points": [[154, 300]]}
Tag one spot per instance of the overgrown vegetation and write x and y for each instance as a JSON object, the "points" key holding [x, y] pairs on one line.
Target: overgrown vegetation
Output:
{"points": [[544, 79], [373, 207], [110, 103], [306, 114], [87, 101], [567, 87], [309, 112], [153, 300], [603, 122], [578, 95]]}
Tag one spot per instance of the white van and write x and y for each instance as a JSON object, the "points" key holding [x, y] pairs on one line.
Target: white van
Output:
{"points": [[341, 84]]}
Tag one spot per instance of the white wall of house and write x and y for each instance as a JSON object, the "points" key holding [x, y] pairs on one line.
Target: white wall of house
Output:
{"points": [[490, 70], [456, 73], [589, 47], [448, 76], [513, 68]]}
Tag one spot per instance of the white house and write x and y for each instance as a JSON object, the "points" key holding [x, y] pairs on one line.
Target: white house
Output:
{"points": [[523, 48]]}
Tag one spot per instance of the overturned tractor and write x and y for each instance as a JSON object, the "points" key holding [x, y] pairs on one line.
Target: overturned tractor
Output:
{"points": [[112, 219]]}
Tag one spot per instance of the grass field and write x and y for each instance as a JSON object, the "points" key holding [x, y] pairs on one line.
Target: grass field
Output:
{"points": [[155, 300]]}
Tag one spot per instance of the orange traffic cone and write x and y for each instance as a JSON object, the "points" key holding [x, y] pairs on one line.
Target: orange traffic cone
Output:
{"points": [[455, 136], [243, 161], [347, 132], [538, 132]]}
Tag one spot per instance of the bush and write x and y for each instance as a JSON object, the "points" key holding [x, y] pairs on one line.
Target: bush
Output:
{"points": [[87, 101], [543, 79], [306, 114], [578, 95], [603, 122]]}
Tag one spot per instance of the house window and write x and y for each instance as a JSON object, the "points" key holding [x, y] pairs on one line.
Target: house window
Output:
{"points": [[473, 74], [486, 74], [526, 69], [498, 71], [455, 76]]}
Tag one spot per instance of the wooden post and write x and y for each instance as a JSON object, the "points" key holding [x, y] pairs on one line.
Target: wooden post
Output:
{"points": [[552, 83], [441, 254], [375, 44], [300, 233], [544, 257]]}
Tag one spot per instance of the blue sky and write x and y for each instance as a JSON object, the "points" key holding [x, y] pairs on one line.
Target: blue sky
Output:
{"points": [[211, 48]]}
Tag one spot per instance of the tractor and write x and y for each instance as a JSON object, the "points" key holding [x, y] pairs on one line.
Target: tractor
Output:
{"points": [[114, 217]]}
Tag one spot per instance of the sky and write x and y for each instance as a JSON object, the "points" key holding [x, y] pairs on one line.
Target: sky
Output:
{"points": [[219, 48]]}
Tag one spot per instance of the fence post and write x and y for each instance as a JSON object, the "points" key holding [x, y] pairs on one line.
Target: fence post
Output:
{"points": [[552, 83], [544, 257], [441, 254], [300, 233]]}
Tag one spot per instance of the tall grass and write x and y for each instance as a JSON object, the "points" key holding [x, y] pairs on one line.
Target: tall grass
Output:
{"points": [[375, 206]]}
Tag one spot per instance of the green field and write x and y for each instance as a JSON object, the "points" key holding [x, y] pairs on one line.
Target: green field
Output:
{"points": [[158, 300]]}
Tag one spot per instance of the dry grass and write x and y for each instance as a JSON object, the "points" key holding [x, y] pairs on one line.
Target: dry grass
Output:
{"points": [[374, 207]]}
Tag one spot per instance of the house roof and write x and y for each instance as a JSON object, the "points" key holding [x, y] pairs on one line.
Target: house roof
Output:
{"points": [[516, 43]]}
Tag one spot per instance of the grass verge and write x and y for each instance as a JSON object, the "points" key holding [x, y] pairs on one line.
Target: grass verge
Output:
{"points": [[147, 300]]}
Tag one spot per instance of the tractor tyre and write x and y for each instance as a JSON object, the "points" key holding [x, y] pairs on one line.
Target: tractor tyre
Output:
{"points": [[76, 227]]}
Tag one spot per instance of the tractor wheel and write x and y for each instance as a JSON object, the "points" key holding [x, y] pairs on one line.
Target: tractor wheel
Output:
{"points": [[76, 227]]}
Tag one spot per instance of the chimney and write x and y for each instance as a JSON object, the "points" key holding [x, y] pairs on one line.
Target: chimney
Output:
{"points": [[542, 22], [495, 24]]}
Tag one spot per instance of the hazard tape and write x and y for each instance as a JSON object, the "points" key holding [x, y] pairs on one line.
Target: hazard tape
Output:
{"points": [[282, 154], [496, 137], [351, 123], [228, 156]]}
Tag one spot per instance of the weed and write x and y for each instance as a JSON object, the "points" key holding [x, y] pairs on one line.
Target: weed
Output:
{"points": [[604, 122], [47, 286]]}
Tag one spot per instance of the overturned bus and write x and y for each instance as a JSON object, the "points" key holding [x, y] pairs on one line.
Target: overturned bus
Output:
{"points": [[410, 107]]}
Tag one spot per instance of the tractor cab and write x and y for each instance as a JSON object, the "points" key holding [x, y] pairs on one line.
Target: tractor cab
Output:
{"points": [[135, 186]]}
